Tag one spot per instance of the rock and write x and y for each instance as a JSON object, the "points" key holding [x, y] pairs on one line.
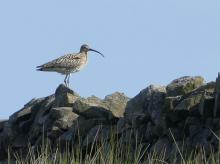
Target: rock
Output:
{"points": [[189, 103], [116, 103], [175, 116], [135, 106], [193, 121], [193, 99], [55, 122], [24, 118], [149, 101], [155, 106], [8, 131], [25, 113], [7, 135], [206, 108], [3, 154], [81, 126], [184, 85], [216, 122], [160, 127], [122, 125], [44, 110], [63, 113], [153, 131], [209, 122], [2, 122], [64, 97], [209, 88], [63, 119], [194, 130], [175, 133], [111, 107], [177, 148], [97, 134], [162, 145], [41, 121], [68, 136], [205, 139], [217, 97], [184, 107], [62, 89], [21, 141], [88, 110], [131, 137], [171, 103], [55, 131], [149, 135]]}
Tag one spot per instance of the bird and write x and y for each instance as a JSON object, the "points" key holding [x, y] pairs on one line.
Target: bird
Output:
{"points": [[69, 63]]}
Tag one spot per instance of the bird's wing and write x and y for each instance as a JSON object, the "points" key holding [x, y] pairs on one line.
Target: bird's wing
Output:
{"points": [[64, 61]]}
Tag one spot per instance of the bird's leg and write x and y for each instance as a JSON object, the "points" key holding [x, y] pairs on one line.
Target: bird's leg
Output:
{"points": [[65, 80], [68, 80]]}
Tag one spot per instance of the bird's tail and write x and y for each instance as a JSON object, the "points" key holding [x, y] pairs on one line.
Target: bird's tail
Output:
{"points": [[39, 68]]}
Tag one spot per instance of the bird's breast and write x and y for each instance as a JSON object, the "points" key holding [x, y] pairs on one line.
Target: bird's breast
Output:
{"points": [[80, 65]]}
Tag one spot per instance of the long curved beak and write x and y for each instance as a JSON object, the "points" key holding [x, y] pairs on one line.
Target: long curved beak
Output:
{"points": [[96, 52]]}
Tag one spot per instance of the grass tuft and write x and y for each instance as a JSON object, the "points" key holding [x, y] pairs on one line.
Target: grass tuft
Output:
{"points": [[112, 150]]}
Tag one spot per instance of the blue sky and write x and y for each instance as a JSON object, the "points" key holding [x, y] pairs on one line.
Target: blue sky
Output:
{"points": [[145, 42]]}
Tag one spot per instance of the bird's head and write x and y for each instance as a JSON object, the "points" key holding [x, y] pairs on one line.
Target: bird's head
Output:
{"points": [[85, 48]]}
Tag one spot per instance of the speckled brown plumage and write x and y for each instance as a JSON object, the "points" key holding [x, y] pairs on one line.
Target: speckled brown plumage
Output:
{"points": [[69, 63]]}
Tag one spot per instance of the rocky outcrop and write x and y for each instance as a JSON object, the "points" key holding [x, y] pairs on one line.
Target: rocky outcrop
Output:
{"points": [[183, 111], [63, 116]]}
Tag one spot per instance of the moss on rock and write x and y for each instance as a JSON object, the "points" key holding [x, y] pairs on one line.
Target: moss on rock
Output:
{"points": [[184, 85]]}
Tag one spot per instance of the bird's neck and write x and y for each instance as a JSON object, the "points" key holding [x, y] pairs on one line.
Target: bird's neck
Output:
{"points": [[85, 54]]}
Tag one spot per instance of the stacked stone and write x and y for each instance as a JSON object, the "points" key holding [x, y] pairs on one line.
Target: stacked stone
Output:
{"points": [[183, 113]]}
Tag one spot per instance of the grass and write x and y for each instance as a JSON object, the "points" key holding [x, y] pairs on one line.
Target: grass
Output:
{"points": [[109, 151]]}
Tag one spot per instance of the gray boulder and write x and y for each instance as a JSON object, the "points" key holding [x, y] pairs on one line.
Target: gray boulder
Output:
{"points": [[122, 125], [191, 100], [112, 106], [26, 112], [7, 135], [63, 120], [189, 103], [43, 111], [41, 121], [171, 102], [162, 145], [184, 85], [64, 97], [2, 122], [79, 129], [205, 139], [149, 102], [116, 103], [99, 133], [199, 102], [155, 106], [206, 107], [91, 110], [64, 113]]}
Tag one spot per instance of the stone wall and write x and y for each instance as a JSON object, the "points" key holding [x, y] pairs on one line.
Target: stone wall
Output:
{"points": [[182, 111]]}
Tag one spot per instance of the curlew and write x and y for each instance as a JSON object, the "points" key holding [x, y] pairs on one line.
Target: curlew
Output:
{"points": [[69, 63]]}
